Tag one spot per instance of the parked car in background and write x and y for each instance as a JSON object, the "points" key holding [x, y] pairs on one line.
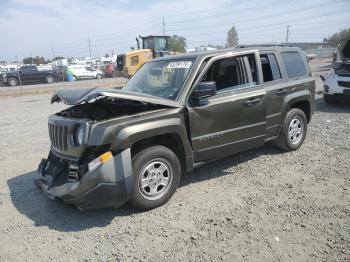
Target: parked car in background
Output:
{"points": [[176, 113], [337, 82], [84, 72], [30, 74]]}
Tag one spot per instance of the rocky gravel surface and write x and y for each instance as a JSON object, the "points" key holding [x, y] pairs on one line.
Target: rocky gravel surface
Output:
{"points": [[260, 205]]}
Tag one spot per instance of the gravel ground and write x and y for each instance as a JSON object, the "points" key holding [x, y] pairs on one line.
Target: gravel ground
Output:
{"points": [[6, 91], [260, 205]]}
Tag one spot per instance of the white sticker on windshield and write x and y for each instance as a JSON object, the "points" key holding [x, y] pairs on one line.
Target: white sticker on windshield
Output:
{"points": [[180, 64]]}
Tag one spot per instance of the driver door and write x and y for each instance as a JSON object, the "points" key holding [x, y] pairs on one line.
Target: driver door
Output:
{"points": [[234, 119]]}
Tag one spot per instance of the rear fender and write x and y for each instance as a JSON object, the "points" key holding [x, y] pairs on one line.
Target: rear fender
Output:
{"points": [[300, 96]]}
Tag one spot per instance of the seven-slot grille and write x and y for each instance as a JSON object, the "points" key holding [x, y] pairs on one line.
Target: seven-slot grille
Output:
{"points": [[59, 137]]}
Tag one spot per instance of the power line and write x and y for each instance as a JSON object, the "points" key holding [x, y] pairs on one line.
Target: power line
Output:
{"points": [[251, 20]]}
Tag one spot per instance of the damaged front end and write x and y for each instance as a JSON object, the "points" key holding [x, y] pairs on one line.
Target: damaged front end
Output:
{"points": [[83, 167], [337, 82], [107, 183]]}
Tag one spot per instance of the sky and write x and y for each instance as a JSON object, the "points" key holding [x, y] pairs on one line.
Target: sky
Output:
{"points": [[63, 27]]}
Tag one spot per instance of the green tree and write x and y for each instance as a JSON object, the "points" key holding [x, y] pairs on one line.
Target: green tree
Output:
{"points": [[58, 58], [336, 38], [34, 60], [177, 44], [232, 37]]}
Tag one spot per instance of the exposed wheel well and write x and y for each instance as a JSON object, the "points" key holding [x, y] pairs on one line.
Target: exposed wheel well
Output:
{"points": [[305, 107], [171, 141]]}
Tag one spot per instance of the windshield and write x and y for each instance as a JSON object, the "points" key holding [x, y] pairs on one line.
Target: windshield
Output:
{"points": [[160, 78]]}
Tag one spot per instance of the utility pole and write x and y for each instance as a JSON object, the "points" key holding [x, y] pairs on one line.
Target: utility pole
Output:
{"points": [[89, 47], [287, 34], [163, 24], [53, 53]]}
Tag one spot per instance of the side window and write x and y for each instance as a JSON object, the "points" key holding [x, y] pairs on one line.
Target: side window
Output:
{"points": [[270, 67], [294, 64], [233, 73]]}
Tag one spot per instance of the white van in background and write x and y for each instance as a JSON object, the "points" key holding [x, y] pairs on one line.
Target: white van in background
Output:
{"points": [[84, 72]]}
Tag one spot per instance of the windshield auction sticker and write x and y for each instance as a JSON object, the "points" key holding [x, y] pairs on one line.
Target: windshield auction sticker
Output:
{"points": [[180, 64]]}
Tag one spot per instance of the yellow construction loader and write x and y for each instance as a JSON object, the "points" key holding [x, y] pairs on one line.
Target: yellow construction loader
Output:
{"points": [[152, 47]]}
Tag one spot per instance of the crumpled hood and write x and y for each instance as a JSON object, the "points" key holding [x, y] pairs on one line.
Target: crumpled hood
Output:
{"points": [[78, 96], [344, 51]]}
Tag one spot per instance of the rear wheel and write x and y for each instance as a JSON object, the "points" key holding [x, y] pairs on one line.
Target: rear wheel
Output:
{"points": [[157, 172], [293, 131], [12, 82], [49, 79]]}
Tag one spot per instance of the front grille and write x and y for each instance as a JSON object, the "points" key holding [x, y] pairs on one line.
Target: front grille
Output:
{"points": [[59, 137], [344, 84]]}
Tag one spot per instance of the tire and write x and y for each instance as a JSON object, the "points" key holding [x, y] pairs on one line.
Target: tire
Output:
{"points": [[329, 100], [157, 173], [98, 76], [293, 131], [12, 82], [49, 79]]}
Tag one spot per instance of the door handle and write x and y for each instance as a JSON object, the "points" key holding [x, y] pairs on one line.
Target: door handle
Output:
{"points": [[281, 92], [252, 101]]}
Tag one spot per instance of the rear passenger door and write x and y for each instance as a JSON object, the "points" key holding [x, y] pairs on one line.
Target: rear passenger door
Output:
{"points": [[233, 120], [276, 90], [284, 73]]}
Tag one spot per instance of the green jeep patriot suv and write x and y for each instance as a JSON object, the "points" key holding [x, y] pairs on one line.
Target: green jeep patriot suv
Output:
{"points": [[176, 113]]}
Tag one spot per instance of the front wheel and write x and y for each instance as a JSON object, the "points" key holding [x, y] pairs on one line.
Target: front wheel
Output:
{"points": [[293, 131], [157, 172], [49, 79], [12, 82]]}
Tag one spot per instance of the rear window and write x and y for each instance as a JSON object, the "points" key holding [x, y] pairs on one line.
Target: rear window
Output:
{"points": [[294, 64]]}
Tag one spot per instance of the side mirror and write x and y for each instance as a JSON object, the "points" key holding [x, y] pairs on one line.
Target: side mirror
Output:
{"points": [[202, 92]]}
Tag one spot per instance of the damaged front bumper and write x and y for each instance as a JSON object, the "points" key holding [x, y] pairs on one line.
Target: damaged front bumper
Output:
{"points": [[109, 185]]}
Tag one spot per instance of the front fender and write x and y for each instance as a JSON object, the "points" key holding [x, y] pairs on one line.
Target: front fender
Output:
{"points": [[123, 133], [128, 136]]}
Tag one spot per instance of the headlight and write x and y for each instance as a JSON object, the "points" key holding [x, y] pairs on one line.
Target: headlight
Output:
{"points": [[79, 136]]}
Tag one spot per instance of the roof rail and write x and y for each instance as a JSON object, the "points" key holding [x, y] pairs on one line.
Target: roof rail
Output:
{"points": [[264, 45]]}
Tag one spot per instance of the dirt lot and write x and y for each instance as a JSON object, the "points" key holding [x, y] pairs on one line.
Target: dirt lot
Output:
{"points": [[261, 205], [6, 91]]}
